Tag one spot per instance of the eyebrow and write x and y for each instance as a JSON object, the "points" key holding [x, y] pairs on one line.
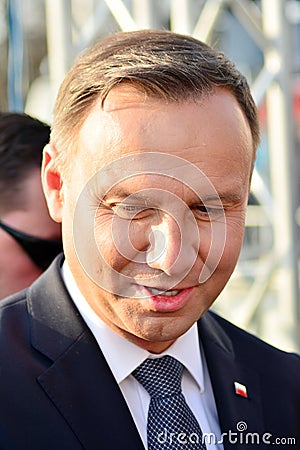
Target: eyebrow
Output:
{"points": [[120, 193], [229, 197]]}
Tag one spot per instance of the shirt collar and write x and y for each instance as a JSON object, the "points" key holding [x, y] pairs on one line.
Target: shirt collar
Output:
{"points": [[114, 346]]}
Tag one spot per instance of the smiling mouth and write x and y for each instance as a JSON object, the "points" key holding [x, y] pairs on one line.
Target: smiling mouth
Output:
{"points": [[169, 293], [165, 301]]}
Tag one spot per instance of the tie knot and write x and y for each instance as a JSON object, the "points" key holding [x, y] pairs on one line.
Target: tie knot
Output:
{"points": [[161, 377]]}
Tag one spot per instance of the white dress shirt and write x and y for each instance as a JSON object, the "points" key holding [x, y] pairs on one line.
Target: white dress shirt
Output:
{"points": [[123, 357]]}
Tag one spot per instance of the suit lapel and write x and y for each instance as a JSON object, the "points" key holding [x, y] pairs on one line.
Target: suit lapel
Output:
{"points": [[78, 381], [236, 413], [80, 384]]}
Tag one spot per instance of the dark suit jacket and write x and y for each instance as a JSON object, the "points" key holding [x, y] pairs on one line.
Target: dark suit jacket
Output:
{"points": [[57, 392]]}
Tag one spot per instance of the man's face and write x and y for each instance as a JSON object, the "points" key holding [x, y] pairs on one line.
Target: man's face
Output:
{"points": [[153, 210], [17, 270]]}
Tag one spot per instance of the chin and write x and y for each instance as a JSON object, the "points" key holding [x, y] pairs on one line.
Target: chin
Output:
{"points": [[159, 330]]}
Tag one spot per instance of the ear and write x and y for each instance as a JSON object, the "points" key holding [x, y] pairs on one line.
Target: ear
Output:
{"points": [[52, 183]]}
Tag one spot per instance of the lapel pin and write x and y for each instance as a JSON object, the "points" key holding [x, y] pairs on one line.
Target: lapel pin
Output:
{"points": [[240, 389]]}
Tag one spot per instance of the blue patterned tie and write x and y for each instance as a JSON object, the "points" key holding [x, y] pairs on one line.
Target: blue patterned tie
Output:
{"points": [[171, 423]]}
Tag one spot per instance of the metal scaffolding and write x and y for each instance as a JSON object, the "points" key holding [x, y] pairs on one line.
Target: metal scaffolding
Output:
{"points": [[269, 304]]}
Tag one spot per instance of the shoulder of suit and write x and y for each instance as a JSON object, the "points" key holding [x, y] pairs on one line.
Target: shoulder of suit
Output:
{"points": [[249, 347], [13, 302], [13, 299]]}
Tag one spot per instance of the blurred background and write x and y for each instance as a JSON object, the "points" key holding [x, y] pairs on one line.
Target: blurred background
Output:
{"points": [[39, 40]]}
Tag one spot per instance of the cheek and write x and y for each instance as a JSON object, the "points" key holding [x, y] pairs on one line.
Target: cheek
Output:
{"points": [[234, 242], [213, 238], [220, 244], [122, 239]]}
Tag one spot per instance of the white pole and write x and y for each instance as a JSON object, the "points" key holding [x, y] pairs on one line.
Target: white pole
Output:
{"points": [[143, 13], [281, 140], [180, 16], [59, 41]]}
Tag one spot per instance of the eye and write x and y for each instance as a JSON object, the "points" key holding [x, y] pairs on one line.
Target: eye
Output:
{"points": [[207, 212], [131, 211]]}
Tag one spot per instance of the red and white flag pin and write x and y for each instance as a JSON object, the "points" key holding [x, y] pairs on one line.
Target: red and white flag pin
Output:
{"points": [[240, 389]]}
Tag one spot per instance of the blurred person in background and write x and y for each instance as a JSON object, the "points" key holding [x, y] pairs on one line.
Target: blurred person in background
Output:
{"points": [[29, 238]]}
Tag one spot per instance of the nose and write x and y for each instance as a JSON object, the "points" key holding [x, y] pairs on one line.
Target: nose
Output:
{"points": [[173, 246]]}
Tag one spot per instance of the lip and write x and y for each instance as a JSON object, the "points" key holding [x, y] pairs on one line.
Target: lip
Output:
{"points": [[161, 303]]}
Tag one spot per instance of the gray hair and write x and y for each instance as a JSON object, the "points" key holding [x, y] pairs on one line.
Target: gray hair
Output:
{"points": [[163, 64]]}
